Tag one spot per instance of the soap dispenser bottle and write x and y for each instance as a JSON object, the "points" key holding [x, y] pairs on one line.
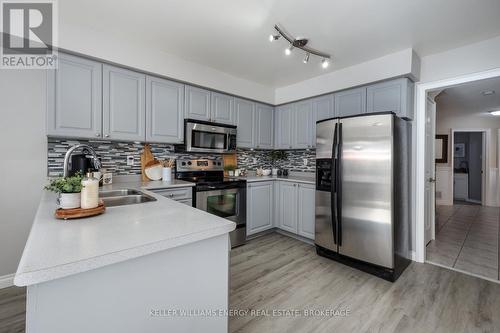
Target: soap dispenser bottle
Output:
{"points": [[90, 192]]}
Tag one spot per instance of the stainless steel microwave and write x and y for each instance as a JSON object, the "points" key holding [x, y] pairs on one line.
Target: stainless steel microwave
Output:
{"points": [[207, 137]]}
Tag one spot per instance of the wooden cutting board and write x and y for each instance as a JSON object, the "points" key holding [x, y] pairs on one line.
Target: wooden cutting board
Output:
{"points": [[146, 157], [230, 159], [76, 213]]}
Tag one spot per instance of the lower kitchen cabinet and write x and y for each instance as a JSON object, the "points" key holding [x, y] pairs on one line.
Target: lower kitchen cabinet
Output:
{"points": [[260, 202], [296, 204], [306, 210], [288, 207]]}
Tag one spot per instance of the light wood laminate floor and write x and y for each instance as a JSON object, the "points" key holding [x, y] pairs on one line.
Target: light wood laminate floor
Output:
{"points": [[278, 272], [467, 238], [281, 273]]}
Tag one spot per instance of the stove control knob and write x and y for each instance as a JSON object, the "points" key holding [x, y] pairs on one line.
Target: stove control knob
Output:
{"points": [[219, 163], [189, 163], [214, 163], [183, 163]]}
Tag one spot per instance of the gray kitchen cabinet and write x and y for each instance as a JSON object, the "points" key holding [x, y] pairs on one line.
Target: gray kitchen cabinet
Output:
{"points": [[303, 124], [222, 109], [284, 127], [287, 207], [245, 114], [260, 202], [306, 210], [124, 106], [197, 103], [164, 111], [74, 101], [391, 96], [264, 126], [350, 102], [323, 107]]}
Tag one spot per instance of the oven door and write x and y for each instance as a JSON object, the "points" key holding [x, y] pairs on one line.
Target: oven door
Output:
{"points": [[201, 137], [229, 204]]}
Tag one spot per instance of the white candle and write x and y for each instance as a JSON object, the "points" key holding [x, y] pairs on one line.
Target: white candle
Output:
{"points": [[90, 192]]}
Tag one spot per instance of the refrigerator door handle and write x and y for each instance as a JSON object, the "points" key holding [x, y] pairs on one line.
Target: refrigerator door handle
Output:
{"points": [[333, 185], [338, 180]]}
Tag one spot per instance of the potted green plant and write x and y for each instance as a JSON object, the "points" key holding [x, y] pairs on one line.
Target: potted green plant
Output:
{"points": [[230, 169], [275, 156], [69, 190]]}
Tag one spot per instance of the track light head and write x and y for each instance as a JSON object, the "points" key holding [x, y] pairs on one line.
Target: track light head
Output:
{"points": [[324, 63], [306, 58], [272, 37], [288, 50]]}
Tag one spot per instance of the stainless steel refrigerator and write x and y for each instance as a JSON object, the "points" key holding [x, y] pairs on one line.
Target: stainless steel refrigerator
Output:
{"points": [[362, 192]]}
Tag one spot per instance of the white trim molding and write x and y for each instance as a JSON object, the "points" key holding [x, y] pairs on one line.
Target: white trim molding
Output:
{"points": [[421, 90], [6, 281]]}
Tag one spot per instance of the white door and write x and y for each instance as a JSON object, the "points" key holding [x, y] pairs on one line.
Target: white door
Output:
{"points": [[430, 170]]}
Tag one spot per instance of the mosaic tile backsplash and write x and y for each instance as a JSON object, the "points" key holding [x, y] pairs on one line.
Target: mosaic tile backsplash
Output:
{"points": [[114, 156]]}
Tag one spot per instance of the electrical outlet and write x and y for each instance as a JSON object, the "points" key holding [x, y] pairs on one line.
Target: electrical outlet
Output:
{"points": [[130, 160], [305, 161]]}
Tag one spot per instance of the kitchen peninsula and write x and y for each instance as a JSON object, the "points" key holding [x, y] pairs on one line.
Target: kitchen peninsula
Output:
{"points": [[124, 270]]}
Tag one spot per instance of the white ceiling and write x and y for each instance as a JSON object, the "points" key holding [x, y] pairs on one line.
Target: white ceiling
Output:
{"points": [[468, 97], [232, 35]]}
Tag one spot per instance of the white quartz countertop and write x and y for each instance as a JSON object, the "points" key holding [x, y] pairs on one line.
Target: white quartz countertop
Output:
{"points": [[58, 248], [291, 178]]}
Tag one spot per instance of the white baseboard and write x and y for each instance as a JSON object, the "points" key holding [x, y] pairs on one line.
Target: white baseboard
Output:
{"points": [[6, 281]]}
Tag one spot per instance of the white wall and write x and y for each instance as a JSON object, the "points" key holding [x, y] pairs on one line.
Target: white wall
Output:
{"points": [[468, 59], [100, 45], [402, 63], [24, 159]]}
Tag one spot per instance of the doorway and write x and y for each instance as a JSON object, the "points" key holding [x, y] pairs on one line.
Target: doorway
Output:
{"points": [[461, 216]]}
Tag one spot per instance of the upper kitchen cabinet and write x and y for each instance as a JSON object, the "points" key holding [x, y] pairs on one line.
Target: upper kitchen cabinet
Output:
{"points": [[264, 126], [350, 102], [323, 107], [283, 131], [222, 110], [303, 120], [124, 106], [197, 103], [391, 96], [74, 98], [164, 111], [245, 114]]}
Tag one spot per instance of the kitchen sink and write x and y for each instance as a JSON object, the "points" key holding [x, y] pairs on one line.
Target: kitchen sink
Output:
{"points": [[124, 197]]}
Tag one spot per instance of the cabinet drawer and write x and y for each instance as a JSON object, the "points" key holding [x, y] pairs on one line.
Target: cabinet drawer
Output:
{"points": [[188, 202], [178, 194]]}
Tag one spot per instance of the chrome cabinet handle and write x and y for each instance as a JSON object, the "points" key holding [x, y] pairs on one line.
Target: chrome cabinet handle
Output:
{"points": [[171, 195], [97, 134], [107, 135]]}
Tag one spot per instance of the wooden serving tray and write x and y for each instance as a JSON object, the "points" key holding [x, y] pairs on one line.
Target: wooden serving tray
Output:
{"points": [[76, 213]]}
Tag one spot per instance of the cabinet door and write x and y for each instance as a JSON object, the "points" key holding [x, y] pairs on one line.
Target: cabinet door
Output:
{"points": [[323, 108], [350, 102], [222, 109], [124, 106], [245, 113], [197, 104], [288, 206], [75, 98], [303, 120], [260, 200], [284, 127], [392, 96], [264, 126], [306, 210], [164, 111]]}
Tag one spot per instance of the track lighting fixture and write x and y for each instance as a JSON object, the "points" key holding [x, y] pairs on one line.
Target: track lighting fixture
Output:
{"points": [[306, 58], [272, 37], [300, 43]]}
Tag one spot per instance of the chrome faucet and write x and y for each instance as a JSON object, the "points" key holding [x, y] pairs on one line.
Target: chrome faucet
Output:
{"points": [[95, 159]]}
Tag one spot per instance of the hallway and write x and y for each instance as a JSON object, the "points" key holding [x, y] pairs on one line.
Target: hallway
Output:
{"points": [[466, 239]]}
